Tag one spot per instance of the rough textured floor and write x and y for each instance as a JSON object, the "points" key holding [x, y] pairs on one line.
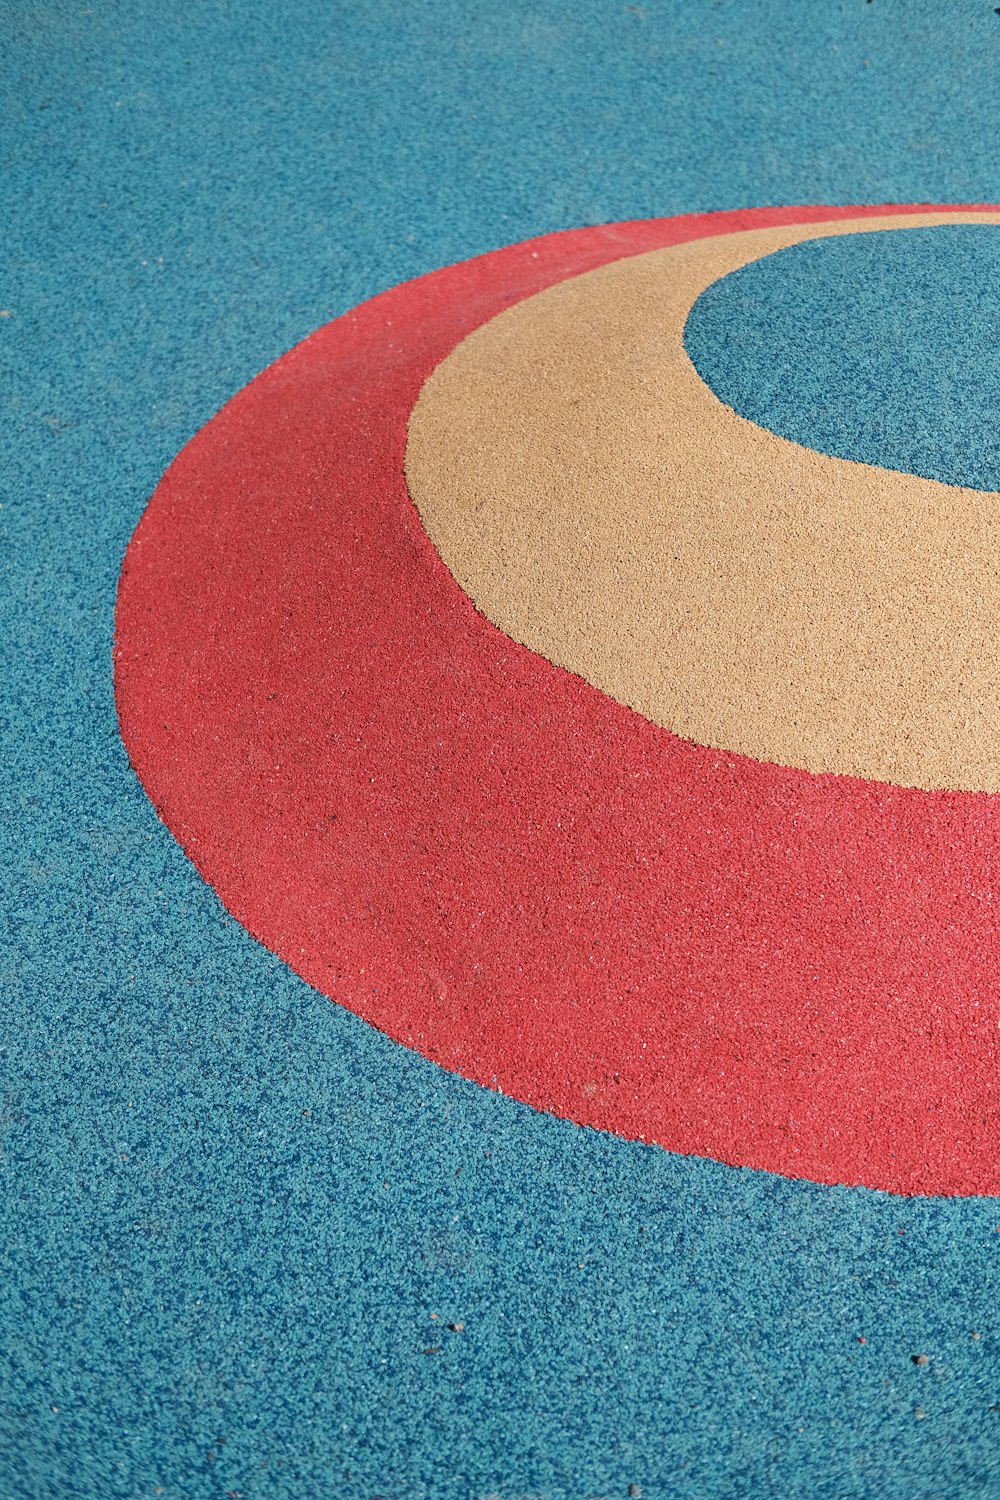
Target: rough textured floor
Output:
{"points": [[238, 1221]]}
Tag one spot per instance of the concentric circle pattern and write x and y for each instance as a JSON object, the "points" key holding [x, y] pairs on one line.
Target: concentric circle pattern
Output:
{"points": [[584, 889]]}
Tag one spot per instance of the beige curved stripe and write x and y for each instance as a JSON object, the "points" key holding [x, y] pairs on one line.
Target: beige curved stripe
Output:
{"points": [[600, 504]]}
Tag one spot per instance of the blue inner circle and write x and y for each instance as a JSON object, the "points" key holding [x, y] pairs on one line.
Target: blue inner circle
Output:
{"points": [[882, 346]]}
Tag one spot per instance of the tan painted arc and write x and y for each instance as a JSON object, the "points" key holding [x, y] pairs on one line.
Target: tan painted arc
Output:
{"points": [[602, 506]]}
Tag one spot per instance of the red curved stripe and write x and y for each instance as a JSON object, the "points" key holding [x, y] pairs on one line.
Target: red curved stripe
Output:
{"points": [[495, 863]]}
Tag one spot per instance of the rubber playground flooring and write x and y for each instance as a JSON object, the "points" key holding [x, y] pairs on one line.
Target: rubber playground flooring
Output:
{"points": [[500, 953]]}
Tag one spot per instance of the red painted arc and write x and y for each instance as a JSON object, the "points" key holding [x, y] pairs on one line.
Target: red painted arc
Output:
{"points": [[496, 864]]}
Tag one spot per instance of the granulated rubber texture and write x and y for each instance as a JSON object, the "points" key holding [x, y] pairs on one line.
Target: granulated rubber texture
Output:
{"points": [[500, 866]]}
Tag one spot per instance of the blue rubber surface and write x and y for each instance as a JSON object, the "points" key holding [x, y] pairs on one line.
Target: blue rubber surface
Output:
{"points": [[878, 347], [231, 1209]]}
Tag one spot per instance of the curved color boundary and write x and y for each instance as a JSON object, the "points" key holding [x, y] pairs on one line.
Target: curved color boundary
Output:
{"points": [[586, 488], [500, 866]]}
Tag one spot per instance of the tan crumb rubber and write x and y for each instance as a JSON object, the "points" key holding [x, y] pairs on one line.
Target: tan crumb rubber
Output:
{"points": [[600, 505]]}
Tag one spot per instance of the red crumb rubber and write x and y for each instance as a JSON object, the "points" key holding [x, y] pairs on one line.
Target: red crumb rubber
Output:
{"points": [[495, 863]]}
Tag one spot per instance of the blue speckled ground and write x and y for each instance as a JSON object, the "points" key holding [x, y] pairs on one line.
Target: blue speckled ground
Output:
{"points": [[189, 1256], [882, 348]]}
